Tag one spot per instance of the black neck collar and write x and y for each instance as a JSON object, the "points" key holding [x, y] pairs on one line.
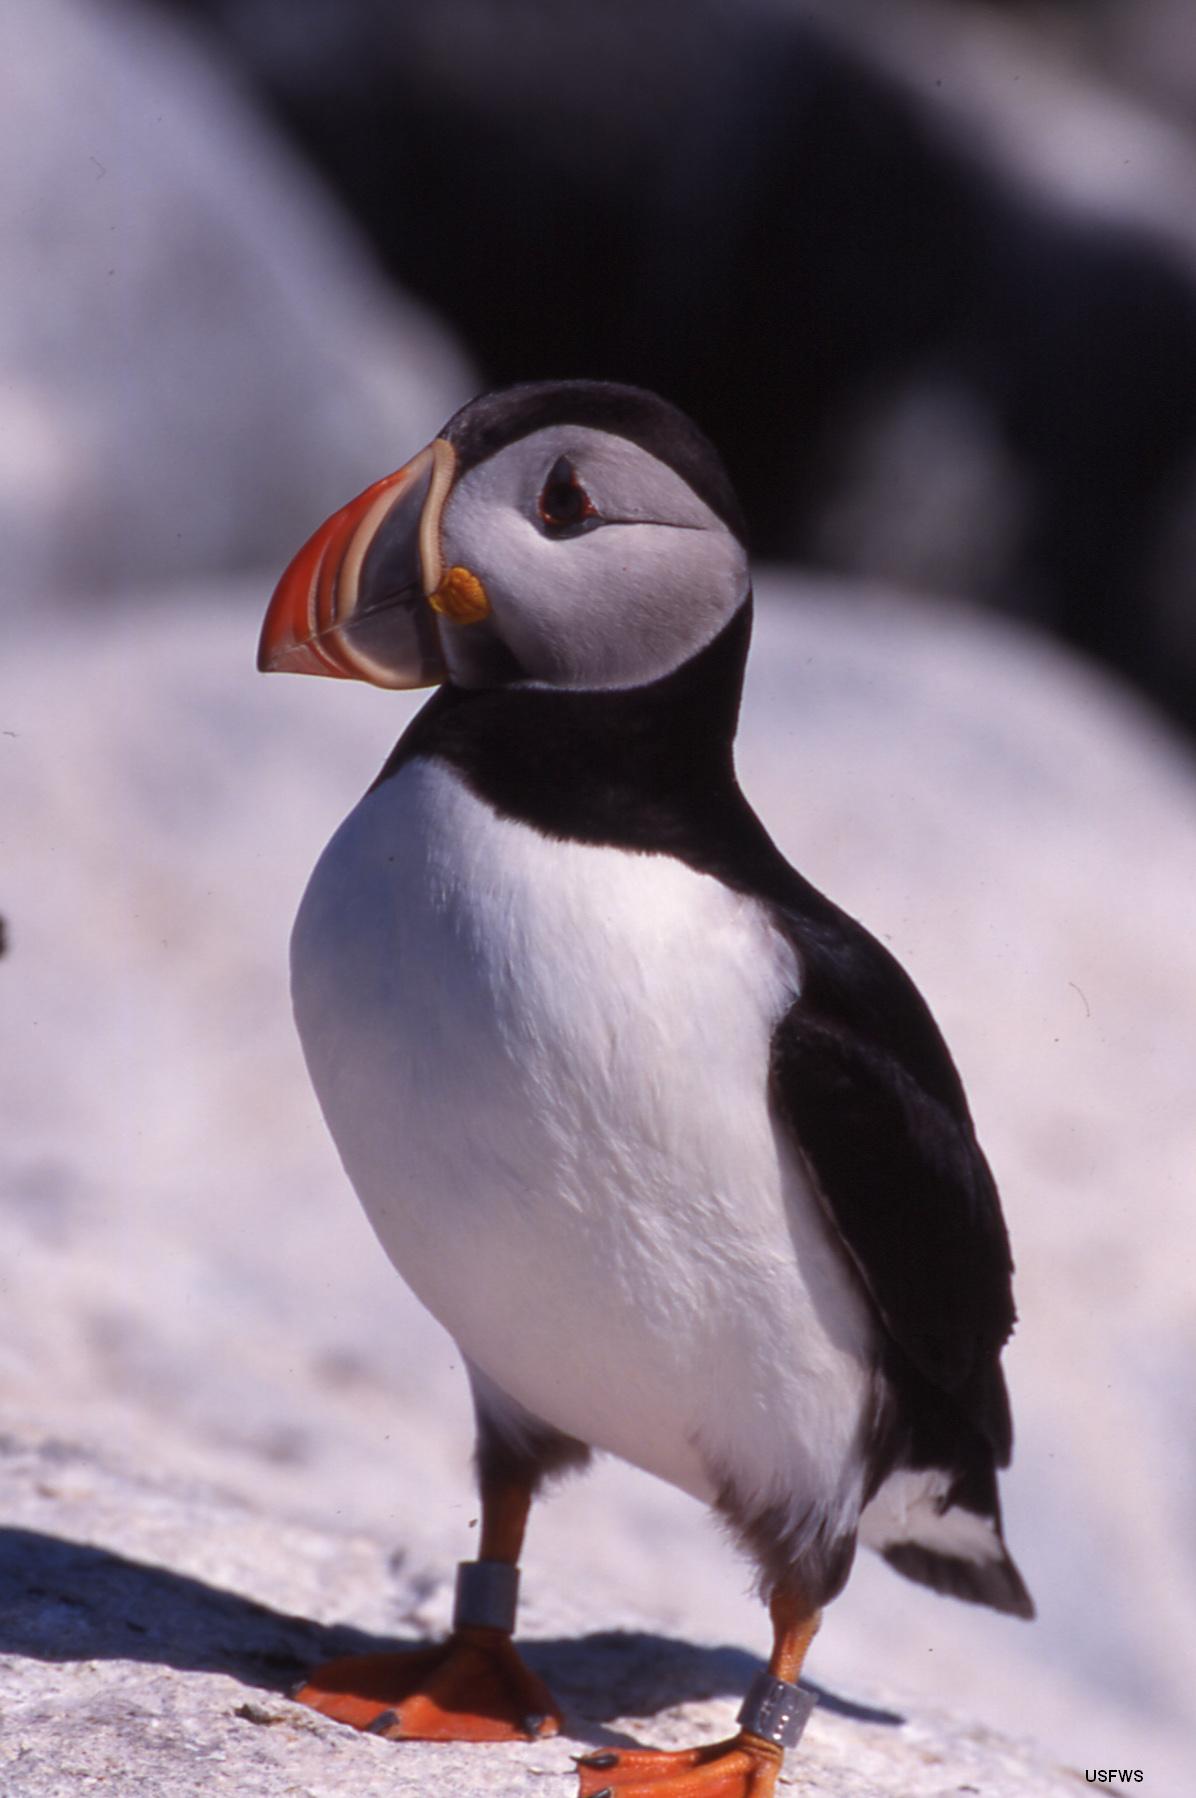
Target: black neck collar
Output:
{"points": [[639, 768]]}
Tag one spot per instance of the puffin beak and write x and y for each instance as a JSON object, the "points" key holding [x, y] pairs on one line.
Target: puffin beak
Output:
{"points": [[360, 600]]}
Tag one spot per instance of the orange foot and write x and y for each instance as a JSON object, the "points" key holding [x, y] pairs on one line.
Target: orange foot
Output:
{"points": [[472, 1688], [744, 1767]]}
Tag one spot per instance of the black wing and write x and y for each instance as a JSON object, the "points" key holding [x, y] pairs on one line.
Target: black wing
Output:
{"points": [[865, 1083]]}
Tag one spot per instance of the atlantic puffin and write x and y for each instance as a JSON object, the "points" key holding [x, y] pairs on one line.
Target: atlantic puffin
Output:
{"points": [[669, 1144]]}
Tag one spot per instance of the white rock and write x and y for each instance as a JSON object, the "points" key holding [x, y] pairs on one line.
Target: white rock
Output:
{"points": [[152, 1627]]}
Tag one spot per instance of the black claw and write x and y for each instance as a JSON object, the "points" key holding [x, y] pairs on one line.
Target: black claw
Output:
{"points": [[608, 1758], [382, 1722], [606, 1792]]}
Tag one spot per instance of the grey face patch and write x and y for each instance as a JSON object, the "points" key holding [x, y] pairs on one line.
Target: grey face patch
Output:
{"points": [[651, 579]]}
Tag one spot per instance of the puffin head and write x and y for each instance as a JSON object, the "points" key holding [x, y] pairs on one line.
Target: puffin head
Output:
{"points": [[566, 533]]}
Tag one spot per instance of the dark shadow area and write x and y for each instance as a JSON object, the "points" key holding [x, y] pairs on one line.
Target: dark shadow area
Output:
{"points": [[628, 1672], [852, 1709], [67, 1601], [73, 1601]]}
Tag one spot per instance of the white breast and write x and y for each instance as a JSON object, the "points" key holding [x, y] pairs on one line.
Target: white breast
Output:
{"points": [[545, 1067]]}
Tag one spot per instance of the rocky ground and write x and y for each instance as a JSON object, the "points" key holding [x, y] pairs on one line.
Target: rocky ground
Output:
{"points": [[152, 1627]]}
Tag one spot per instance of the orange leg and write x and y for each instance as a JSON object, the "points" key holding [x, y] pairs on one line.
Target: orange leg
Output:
{"points": [[472, 1688], [745, 1766]]}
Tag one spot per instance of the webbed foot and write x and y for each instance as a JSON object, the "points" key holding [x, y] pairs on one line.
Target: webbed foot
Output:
{"points": [[743, 1767], [473, 1688]]}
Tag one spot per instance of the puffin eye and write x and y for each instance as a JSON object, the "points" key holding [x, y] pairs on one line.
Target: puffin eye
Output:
{"points": [[564, 505]]}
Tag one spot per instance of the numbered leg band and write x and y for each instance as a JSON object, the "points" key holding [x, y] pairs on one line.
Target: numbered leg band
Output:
{"points": [[487, 1596], [776, 1710]]}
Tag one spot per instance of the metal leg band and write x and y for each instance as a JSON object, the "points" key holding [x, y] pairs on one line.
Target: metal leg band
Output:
{"points": [[776, 1710], [487, 1595]]}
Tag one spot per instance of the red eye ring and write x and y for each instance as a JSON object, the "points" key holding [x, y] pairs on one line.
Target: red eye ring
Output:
{"points": [[564, 505]]}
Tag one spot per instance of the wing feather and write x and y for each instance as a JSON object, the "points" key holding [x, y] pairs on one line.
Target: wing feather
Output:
{"points": [[866, 1085]]}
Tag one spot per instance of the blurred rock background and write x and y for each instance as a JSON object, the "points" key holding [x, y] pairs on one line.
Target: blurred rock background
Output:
{"points": [[926, 272]]}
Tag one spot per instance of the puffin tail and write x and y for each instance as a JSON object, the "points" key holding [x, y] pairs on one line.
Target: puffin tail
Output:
{"points": [[943, 1529], [995, 1582]]}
